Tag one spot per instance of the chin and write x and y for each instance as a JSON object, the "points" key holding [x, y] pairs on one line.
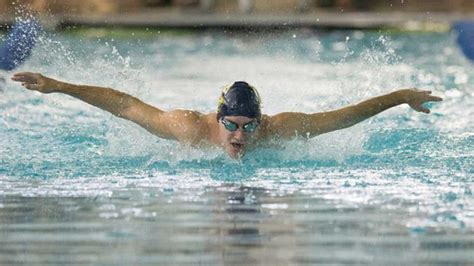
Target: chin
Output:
{"points": [[235, 154]]}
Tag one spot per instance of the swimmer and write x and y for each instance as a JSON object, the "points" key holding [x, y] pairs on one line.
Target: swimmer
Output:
{"points": [[238, 125]]}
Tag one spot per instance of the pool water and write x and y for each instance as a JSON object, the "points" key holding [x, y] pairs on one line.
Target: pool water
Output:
{"points": [[80, 186]]}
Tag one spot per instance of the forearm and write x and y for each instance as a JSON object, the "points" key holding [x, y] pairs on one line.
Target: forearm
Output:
{"points": [[115, 102], [320, 123], [110, 100], [354, 114]]}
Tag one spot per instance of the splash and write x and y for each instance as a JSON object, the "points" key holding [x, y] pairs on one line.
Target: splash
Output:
{"points": [[189, 73]]}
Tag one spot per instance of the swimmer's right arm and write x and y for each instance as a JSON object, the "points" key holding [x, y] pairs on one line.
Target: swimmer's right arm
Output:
{"points": [[169, 125]]}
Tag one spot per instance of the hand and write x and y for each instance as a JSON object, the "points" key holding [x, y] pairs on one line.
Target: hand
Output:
{"points": [[35, 81], [416, 98]]}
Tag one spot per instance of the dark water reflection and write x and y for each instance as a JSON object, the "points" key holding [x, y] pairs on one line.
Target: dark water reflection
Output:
{"points": [[226, 224]]}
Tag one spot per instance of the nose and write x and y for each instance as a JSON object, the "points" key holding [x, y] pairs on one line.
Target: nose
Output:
{"points": [[239, 134]]}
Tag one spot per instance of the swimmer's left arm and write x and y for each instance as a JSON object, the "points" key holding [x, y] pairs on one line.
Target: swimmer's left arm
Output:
{"points": [[290, 125]]}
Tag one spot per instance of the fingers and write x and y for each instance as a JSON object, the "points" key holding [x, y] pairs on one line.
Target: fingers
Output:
{"points": [[430, 98], [21, 75], [420, 108], [419, 97], [18, 77], [435, 99], [32, 87], [424, 110], [25, 77]]}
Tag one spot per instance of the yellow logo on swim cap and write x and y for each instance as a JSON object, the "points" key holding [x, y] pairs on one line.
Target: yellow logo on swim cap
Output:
{"points": [[221, 100]]}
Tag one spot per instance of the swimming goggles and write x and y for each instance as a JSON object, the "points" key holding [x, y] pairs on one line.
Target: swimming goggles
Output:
{"points": [[248, 128]]}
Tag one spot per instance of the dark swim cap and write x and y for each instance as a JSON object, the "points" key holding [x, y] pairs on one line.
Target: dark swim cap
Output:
{"points": [[239, 99]]}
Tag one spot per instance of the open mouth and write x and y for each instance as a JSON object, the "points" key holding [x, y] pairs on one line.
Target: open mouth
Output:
{"points": [[237, 145]]}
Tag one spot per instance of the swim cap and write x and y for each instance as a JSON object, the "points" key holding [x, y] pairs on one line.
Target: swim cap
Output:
{"points": [[239, 99]]}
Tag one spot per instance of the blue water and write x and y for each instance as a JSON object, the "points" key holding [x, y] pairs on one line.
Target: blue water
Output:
{"points": [[78, 185]]}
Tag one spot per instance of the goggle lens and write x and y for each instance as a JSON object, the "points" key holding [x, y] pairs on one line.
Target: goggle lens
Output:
{"points": [[231, 126], [250, 127]]}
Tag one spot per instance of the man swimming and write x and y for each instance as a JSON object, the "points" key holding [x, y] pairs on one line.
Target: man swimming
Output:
{"points": [[238, 125]]}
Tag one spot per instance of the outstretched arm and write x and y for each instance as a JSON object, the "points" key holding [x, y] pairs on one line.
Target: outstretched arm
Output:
{"points": [[289, 125], [170, 125]]}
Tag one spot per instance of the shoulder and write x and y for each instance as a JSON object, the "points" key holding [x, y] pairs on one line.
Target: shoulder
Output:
{"points": [[188, 118], [283, 125], [270, 123], [186, 126], [190, 127], [267, 128], [183, 115]]}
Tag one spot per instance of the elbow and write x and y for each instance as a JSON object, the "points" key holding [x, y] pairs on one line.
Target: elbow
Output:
{"points": [[125, 113], [125, 107], [309, 134]]}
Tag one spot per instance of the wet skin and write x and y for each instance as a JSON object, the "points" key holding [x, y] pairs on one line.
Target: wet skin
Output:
{"points": [[197, 129]]}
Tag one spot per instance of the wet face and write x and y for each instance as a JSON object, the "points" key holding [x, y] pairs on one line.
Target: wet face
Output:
{"points": [[236, 142]]}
